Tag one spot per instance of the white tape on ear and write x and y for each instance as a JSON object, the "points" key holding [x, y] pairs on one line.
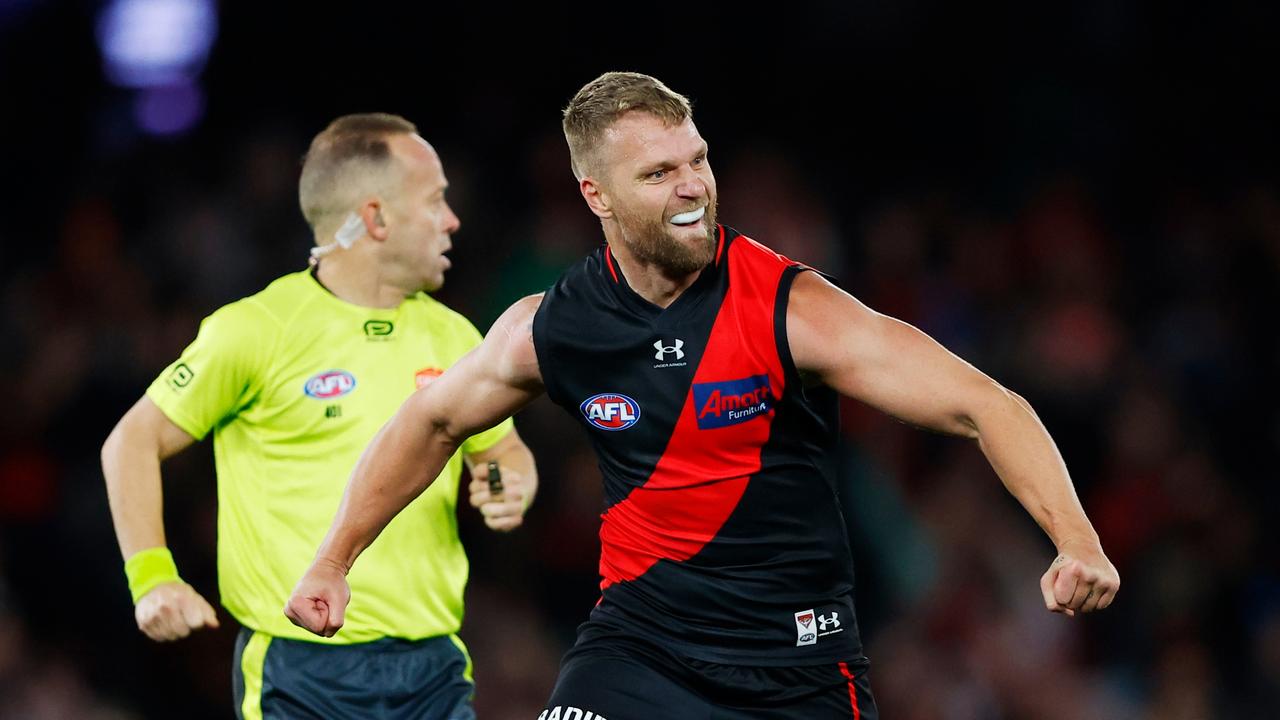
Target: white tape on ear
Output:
{"points": [[352, 230]]}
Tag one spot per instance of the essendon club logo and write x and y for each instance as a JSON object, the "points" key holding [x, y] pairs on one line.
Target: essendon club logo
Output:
{"points": [[610, 411], [805, 634], [729, 402], [329, 384]]}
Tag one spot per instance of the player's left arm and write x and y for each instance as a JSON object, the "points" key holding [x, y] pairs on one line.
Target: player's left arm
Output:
{"points": [[896, 368], [503, 503]]}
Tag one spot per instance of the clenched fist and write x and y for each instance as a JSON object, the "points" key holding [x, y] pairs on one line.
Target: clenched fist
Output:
{"points": [[1080, 579], [170, 611], [505, 510], [319, 600]]}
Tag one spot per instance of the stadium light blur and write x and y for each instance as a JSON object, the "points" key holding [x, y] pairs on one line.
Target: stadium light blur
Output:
{"points": [[169, 110], [159, 47]]}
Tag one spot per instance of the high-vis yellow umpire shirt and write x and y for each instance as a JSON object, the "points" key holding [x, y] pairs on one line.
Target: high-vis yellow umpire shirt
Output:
{"points": [[294, 383]]}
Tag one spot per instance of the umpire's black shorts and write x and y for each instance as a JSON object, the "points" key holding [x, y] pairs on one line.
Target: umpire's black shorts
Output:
{"points": [[613, 675], [275, 678]]}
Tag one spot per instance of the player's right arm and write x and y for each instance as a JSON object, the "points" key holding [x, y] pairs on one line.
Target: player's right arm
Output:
{"points": [[168, 609], [485, 387]]}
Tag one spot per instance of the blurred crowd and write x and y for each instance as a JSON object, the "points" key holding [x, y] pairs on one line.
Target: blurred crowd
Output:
{"points": [[1143, 346], [1086, 207]]}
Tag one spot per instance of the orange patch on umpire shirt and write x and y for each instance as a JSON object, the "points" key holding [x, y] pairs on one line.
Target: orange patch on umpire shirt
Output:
{"points": [[423, 377]]}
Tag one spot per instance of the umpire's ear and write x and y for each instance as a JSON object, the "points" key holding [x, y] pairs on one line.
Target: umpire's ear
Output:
{"points": [[371, 213]]}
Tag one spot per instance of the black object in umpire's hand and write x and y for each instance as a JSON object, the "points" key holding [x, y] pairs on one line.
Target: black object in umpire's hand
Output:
{"points": [[495, 479]]}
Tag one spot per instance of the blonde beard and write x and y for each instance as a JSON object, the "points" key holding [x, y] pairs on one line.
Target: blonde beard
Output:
{"points": [[652, 243]]}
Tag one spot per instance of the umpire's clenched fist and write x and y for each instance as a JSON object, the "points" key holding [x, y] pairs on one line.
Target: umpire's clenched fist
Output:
{"points": [[170, 611], [319, 601]]}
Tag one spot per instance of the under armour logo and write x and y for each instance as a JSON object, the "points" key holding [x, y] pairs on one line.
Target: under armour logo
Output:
{"points": [[833, 621], [664, 349]]}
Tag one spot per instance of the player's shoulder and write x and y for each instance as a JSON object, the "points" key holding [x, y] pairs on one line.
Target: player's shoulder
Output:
{"points": [[528, 304], [513, 332], [588, 269], [752, 250], [522, 311], [584, 283]]}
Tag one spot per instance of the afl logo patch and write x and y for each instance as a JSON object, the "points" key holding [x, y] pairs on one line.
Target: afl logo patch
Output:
{"points": [[329, 384], [611, 411]]}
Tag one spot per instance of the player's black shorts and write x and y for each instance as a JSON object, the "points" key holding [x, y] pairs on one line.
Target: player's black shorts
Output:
{"points": [[612, 675], [276, 678]]}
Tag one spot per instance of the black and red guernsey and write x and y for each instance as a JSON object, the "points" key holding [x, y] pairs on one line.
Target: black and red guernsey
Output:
{"points": [[722, 535]]}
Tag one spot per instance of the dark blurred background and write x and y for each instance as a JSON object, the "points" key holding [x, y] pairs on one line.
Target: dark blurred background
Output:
{"points": [[1080, 198]]}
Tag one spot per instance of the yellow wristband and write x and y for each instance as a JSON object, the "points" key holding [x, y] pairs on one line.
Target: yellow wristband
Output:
{"points": [[149, 568]]}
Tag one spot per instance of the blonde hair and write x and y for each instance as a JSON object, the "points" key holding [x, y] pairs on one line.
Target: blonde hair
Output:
{"points": [[348, 158], [604, 100]]}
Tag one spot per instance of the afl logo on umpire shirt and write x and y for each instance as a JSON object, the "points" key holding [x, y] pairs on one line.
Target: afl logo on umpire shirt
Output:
{"points": [[610, 411], [329, 384]]}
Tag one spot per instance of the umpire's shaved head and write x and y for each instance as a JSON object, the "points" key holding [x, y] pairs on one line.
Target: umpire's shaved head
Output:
{"points": [[346, 162]]}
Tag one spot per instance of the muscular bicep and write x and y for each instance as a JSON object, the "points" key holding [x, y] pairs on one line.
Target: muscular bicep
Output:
{"points": [[881, 361], [490, 383]]}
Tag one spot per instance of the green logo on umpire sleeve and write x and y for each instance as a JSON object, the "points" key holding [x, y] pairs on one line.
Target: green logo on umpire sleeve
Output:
{"points": [[180, 376]]}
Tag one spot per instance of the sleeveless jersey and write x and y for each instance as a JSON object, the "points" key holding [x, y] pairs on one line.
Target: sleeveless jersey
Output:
{"points": [[722, 535]]}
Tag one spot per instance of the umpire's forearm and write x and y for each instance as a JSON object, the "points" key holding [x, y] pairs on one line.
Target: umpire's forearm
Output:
{"points": [[400, 463], [131, 466], [1025, 457]]}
